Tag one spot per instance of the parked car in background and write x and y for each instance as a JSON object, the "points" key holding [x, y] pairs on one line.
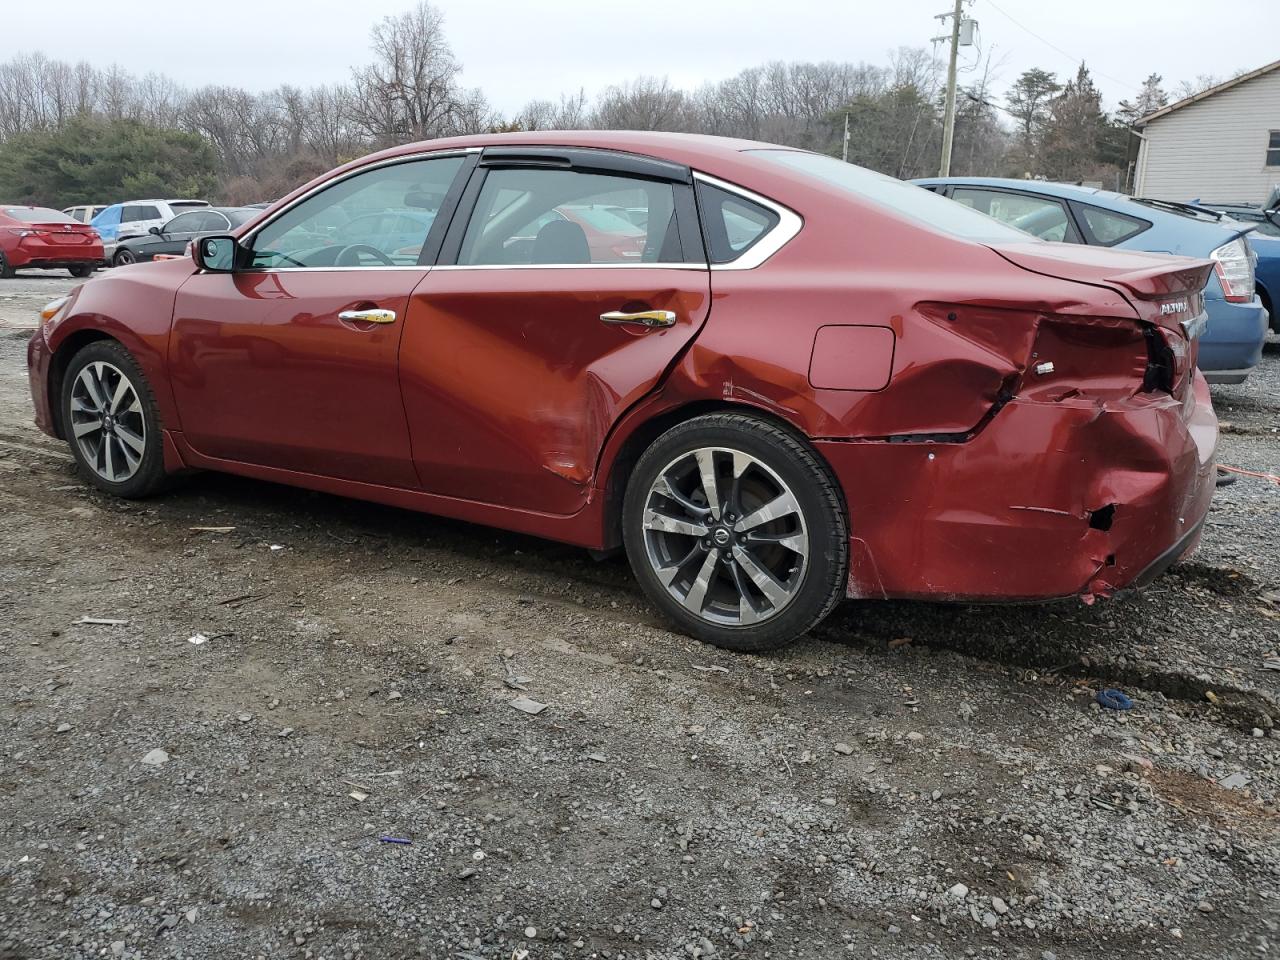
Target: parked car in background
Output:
{"points": [[1232, 346], [173, 237], [120, 221], [46, 239], [893, 395], [1265, 241], [84, 214]]}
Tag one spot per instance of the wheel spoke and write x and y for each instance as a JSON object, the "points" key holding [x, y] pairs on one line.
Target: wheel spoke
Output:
{"points": [[122, 388], [86, 428], [658, 521], [664, 487], [130, 440], [707, 471], [93, 390], [696, 598], [781, 506], [795, 542], [774, 591], [108, 462]]}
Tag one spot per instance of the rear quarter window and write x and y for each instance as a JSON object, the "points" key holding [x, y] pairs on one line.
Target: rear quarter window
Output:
{"points": [[732, 224], [1109, 227]]}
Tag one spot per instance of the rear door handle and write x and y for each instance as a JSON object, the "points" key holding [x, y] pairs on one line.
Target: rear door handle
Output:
{"points": [[643, 318], [368, 316]]}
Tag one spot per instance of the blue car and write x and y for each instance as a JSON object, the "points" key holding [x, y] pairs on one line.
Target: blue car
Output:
{"points": [[1265, 241], [1232, 346]]}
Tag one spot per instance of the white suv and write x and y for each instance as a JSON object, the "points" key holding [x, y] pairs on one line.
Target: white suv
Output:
{"points": [[120, 221]]}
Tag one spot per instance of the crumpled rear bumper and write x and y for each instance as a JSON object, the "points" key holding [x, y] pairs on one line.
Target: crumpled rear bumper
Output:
{"points": [[1051, 499]]}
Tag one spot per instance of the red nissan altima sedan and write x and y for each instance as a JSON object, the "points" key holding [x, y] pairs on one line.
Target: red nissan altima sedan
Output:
{"points": [[813, 382]]}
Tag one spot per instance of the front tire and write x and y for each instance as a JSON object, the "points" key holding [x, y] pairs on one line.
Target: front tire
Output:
{"points": [[6, 271], [737, 531], [123, 258], [111, 422]]}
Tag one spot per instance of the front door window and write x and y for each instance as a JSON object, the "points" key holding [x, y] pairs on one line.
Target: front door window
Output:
{"points": [[380, 218]]}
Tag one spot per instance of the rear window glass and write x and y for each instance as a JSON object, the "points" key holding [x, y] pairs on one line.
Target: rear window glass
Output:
{"points": [[905, 199], [38, 215], [187, 204], [239, 217]]}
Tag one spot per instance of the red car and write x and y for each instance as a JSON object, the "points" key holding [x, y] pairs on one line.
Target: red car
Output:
{"points": [[815, 382], [46, 239]]}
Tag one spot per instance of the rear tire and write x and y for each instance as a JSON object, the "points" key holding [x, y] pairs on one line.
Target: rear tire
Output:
{"points": [[82, 271], [111, 422], [763, 564], [123, 258]]}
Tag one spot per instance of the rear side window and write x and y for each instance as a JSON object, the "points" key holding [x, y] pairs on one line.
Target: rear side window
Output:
{"points": [[732, 224], [1109, 227], [527, 216], [135, 212], [1042, 217]]}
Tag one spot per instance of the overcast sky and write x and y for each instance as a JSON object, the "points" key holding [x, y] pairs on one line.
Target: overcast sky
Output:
{"points": [[516, 51]]}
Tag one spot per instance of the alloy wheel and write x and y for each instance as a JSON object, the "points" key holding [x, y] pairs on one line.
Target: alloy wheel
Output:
{"points": [[726, 536], [107, 421]]}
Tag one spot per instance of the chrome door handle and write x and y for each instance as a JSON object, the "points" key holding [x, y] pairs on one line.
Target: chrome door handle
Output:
{"points": [[644, 318], [369, 316]]}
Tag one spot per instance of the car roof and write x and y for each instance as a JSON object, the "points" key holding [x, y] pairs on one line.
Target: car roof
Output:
{"points": [[1070, 191]]}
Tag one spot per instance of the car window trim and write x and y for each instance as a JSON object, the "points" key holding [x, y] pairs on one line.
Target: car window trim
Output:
{"points": [[1063, 202], [784, 231], [425, 259], [685, 206]]}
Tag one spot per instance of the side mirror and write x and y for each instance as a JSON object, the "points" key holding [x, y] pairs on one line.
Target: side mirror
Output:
{"points": [[216, 254], [158, 231]]}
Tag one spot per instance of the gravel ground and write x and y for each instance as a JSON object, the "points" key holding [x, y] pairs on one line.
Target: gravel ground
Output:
{"points": [[916, 780]]}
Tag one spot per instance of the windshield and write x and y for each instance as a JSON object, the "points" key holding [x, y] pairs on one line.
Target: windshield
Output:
{"points": [[240, 217], [901, 197], [38, 215]]}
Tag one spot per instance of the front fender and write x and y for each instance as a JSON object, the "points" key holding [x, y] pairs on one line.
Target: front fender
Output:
{"points": [[133, 305]]}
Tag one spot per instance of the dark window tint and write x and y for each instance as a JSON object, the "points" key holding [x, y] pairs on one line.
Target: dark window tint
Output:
{"points": [[188, 223], [1042, 217], [1273, 149], [135, 212], [538, 216], [1109, 227], [187, 204], [733, 225]]}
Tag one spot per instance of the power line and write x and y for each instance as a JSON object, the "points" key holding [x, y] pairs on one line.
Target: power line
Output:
{"points": [[1053, 46]]}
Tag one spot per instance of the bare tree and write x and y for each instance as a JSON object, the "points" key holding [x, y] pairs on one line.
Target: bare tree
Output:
{"points": [[408, 89]]}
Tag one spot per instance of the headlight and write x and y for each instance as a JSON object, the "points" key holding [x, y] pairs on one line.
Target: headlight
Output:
{"points": [[52, 309]]}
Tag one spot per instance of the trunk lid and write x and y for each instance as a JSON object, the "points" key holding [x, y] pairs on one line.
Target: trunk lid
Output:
{"points": [[1164, 289]]}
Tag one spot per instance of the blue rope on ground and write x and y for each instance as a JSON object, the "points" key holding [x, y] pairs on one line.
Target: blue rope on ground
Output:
{"points": [[1114, 700]]}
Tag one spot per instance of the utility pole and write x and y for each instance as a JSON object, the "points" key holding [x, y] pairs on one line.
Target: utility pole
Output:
{"points": [[844, 154], [949, 116]]}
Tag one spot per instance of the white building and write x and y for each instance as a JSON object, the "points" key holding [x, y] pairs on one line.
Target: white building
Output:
{"points": [[1222, 145]]}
